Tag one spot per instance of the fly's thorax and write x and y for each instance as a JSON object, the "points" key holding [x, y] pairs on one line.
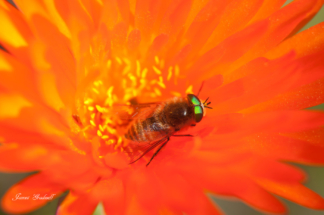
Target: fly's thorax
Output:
{"points": [[178, 112]]}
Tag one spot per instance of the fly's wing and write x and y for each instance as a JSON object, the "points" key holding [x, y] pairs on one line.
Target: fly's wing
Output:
{"points": [[137, 150], [130, 112]]}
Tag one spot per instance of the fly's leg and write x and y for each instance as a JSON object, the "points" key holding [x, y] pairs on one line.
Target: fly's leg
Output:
{"points": [[157, 151], [182, 135]]}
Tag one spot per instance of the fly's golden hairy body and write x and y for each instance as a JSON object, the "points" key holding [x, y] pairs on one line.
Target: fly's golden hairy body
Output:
{"points": [[161, 121]]}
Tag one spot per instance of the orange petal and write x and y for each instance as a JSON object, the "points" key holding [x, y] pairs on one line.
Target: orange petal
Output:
{"points": [[119, 36], [180, 195], [142, 192], [112, 193], [135, 208], [257, 87], [204, 205], [228, 51], [25, 158], [124, 9], [45, 122], [268, 7], [265, 121], [74, 14], [314, 136], [146, 13], [294, 192], [307, 96], [174, 18], [233, 20], [134, 39], [304, 43], [75, 204], [10, 69], [110, 16], [59, 56], [118, 161], [75, 170], [286, 148], [226, 183], [158, 43], [32, 185], [17, 31], [94, 10], [204, 24], [289, 16], [274, 171]]}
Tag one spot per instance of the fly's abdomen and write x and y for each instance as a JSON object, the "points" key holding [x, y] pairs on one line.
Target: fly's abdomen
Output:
{"points": [[135, 132], [149, 129]]}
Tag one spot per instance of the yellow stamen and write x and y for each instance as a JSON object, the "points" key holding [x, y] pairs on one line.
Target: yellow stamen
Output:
{"points": [[101, 128], [138, 68], [88, 101], [176, 74], [118, 60], [162, 85], [109, 91], [127, 61], [97, 83], [105, 137], [189, 90], [170, 73], [93, 115], [156, 70], [95, 90], [157, 91], [93, 123], [177, 94], [157, 61], [100, 109], [108, 64], [99, 133], [144, 72], [126, 69]]}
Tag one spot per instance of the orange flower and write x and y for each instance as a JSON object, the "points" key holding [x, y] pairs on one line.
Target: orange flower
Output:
{"points": [[68, 62]]}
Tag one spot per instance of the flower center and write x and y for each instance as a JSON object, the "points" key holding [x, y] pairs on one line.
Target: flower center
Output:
{"points": [[109, 86]]}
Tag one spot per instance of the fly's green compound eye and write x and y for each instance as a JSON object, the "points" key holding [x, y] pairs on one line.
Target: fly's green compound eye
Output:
{"points": [[198, 113], [193, 99]]}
